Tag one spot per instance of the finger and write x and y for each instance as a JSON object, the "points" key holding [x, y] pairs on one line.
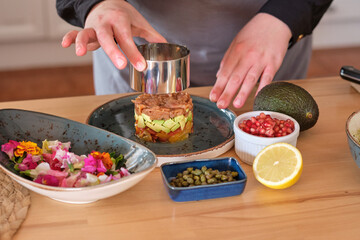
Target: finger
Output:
{"points": [[83, 38], [124, 38], [250, 81], [105, 37], [234, 83], [227, 66], [266, 77], [69, 39]]}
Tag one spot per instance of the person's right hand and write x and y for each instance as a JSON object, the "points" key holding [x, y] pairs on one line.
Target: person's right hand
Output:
{"points": [[110, 20]]}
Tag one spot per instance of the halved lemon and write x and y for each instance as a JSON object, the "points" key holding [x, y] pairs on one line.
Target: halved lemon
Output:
{"points": [[278, 165]]}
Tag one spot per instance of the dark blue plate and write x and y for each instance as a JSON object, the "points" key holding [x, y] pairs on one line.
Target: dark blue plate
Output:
{"points": [[213, 129], [183, 194]]}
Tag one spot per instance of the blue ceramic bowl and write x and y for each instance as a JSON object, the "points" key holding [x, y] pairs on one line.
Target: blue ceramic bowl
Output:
{"points": [[353, 135], [21, 125], [201, 192]]}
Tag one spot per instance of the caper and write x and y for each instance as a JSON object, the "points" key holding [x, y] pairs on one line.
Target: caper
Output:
{"points": [[224, 178], [185, 176], [211, 180], [218, 176], [185, 184], [190, 169], [202, 178], [185, 172], [203, 168], [179, 175], [197, 172], [209, 176], [190, 180], [234, 174], [197, 182], [196, 178]]}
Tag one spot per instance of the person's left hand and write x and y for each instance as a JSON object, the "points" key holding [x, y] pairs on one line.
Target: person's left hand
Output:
{"points": [[256, 52]]}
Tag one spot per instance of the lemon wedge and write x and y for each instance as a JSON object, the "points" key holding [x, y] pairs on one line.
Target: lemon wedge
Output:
{"points": [[278, 165]]}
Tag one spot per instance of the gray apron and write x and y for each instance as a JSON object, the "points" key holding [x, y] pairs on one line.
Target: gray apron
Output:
{"points": [[207, 28]]}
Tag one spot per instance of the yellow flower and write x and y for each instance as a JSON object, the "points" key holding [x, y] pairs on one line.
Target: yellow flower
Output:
{"points": [[27, 146]]}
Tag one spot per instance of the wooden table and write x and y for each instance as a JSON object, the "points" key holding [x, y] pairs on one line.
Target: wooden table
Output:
{"points": [[324, 204]]}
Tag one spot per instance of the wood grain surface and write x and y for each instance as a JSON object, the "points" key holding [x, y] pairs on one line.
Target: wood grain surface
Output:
{"points": [[324, 204]]}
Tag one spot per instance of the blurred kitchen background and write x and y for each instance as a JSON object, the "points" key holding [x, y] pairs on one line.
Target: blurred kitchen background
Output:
{"points": [[33, 64]]}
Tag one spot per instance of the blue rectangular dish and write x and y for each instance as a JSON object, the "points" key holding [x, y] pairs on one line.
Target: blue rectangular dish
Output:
{"points": [[201, 192]]}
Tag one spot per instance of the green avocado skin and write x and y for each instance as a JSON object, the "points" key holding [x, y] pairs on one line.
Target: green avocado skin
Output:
{"points": [[290, 99]]}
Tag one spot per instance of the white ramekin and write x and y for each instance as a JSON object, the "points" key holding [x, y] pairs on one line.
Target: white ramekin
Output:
{"points": [[247, 146]]}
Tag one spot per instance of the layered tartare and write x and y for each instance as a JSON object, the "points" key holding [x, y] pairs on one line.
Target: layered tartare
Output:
{"points": [[163, 117]]}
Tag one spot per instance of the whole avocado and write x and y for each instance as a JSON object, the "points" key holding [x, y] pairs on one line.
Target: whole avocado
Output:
{"points": [[290, 99]]}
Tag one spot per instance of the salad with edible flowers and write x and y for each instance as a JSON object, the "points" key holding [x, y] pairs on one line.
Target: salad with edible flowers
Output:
{"points": [[53, 164]]}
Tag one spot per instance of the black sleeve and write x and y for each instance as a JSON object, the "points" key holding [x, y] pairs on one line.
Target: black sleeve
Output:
{"points": [[75, 11], [301, 16]]}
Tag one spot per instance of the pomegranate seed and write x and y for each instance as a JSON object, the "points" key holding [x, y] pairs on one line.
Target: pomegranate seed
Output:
{"points": [[276, 128], [248, 123], [267, 124], [269, 133], [261, 131]]}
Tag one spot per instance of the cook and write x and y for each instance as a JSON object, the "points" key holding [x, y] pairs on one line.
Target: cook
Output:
{"points": [[234, 44]]}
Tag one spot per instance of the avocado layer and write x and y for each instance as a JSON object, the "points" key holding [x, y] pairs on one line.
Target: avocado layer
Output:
{"points": [[167, 126]]}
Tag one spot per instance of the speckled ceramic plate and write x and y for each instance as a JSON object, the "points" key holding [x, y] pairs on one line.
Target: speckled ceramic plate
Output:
{"points": [[213, 129]]}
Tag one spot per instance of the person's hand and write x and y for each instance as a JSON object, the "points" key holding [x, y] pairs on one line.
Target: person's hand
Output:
{"points": [[109, 21], [256, 52]]}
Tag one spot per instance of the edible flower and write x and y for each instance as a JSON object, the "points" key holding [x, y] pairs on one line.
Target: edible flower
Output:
{"points": [[28, 163], [28, 147], [47, 180], [9, 148]]}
